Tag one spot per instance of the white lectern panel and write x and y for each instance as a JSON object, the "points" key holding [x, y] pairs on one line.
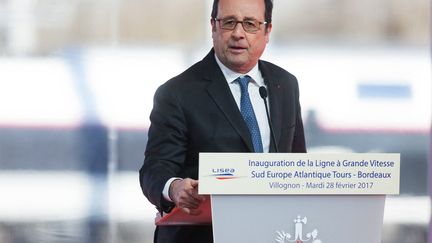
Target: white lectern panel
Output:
{"points": [[283, 219]]}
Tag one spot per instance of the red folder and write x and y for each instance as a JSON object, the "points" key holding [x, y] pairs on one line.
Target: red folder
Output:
{"points": [[179, 217]]}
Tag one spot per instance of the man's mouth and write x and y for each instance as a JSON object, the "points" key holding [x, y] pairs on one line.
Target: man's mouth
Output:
{"points": [[237, 47]]}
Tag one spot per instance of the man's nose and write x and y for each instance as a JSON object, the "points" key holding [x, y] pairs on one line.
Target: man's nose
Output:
{"points": [[238, 30]]}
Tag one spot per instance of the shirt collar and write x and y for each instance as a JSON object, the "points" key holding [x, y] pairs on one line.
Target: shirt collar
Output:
{"points": [[231, 76]]}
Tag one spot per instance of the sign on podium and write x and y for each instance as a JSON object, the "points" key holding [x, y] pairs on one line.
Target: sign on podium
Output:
{"points": [[292, 197]]}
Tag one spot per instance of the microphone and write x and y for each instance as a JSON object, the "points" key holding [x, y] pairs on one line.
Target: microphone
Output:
{"points": [[263, 94]]}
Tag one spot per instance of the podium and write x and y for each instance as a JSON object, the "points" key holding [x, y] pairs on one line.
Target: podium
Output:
{"points": [[283, 219], [281, 198]]}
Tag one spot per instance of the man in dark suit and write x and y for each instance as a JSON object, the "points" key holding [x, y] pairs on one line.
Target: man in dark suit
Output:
{"points": [[206, 109]]}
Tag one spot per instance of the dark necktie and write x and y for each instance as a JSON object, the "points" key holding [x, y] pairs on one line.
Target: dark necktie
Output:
{"points": [[248, 114]]}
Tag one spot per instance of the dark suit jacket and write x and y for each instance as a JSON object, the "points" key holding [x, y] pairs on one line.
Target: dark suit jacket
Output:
{"points": [[196, 112]]}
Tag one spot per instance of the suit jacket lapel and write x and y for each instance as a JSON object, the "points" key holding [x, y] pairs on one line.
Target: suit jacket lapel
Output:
{"points": [[220, 92], [275, 101]]}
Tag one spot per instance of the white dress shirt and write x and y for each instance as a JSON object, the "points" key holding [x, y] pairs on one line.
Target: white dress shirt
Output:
{"points": [[256, 100]]}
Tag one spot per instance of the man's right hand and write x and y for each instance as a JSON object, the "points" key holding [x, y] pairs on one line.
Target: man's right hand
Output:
{"points": [[184, 193]]}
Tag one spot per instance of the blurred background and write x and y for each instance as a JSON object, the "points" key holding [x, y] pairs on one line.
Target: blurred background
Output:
{"points": [[77, 79]]}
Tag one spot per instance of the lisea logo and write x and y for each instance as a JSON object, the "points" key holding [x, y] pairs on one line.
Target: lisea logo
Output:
{"points": [[223, 173]]}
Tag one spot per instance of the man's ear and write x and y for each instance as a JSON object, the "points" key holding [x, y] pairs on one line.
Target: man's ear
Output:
{"points": [[267, 32], [213, 25]]}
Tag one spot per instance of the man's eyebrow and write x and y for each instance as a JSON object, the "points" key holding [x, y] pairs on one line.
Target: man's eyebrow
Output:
{"points": [[234, 17], [250, 18], [228, 17]]}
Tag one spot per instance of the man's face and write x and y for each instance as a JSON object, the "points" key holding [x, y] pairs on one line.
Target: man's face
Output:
{"points": [[238, 49]]}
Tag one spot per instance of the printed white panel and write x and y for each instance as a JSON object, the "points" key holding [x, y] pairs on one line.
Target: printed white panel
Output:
{"points": [[299, 173]]}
